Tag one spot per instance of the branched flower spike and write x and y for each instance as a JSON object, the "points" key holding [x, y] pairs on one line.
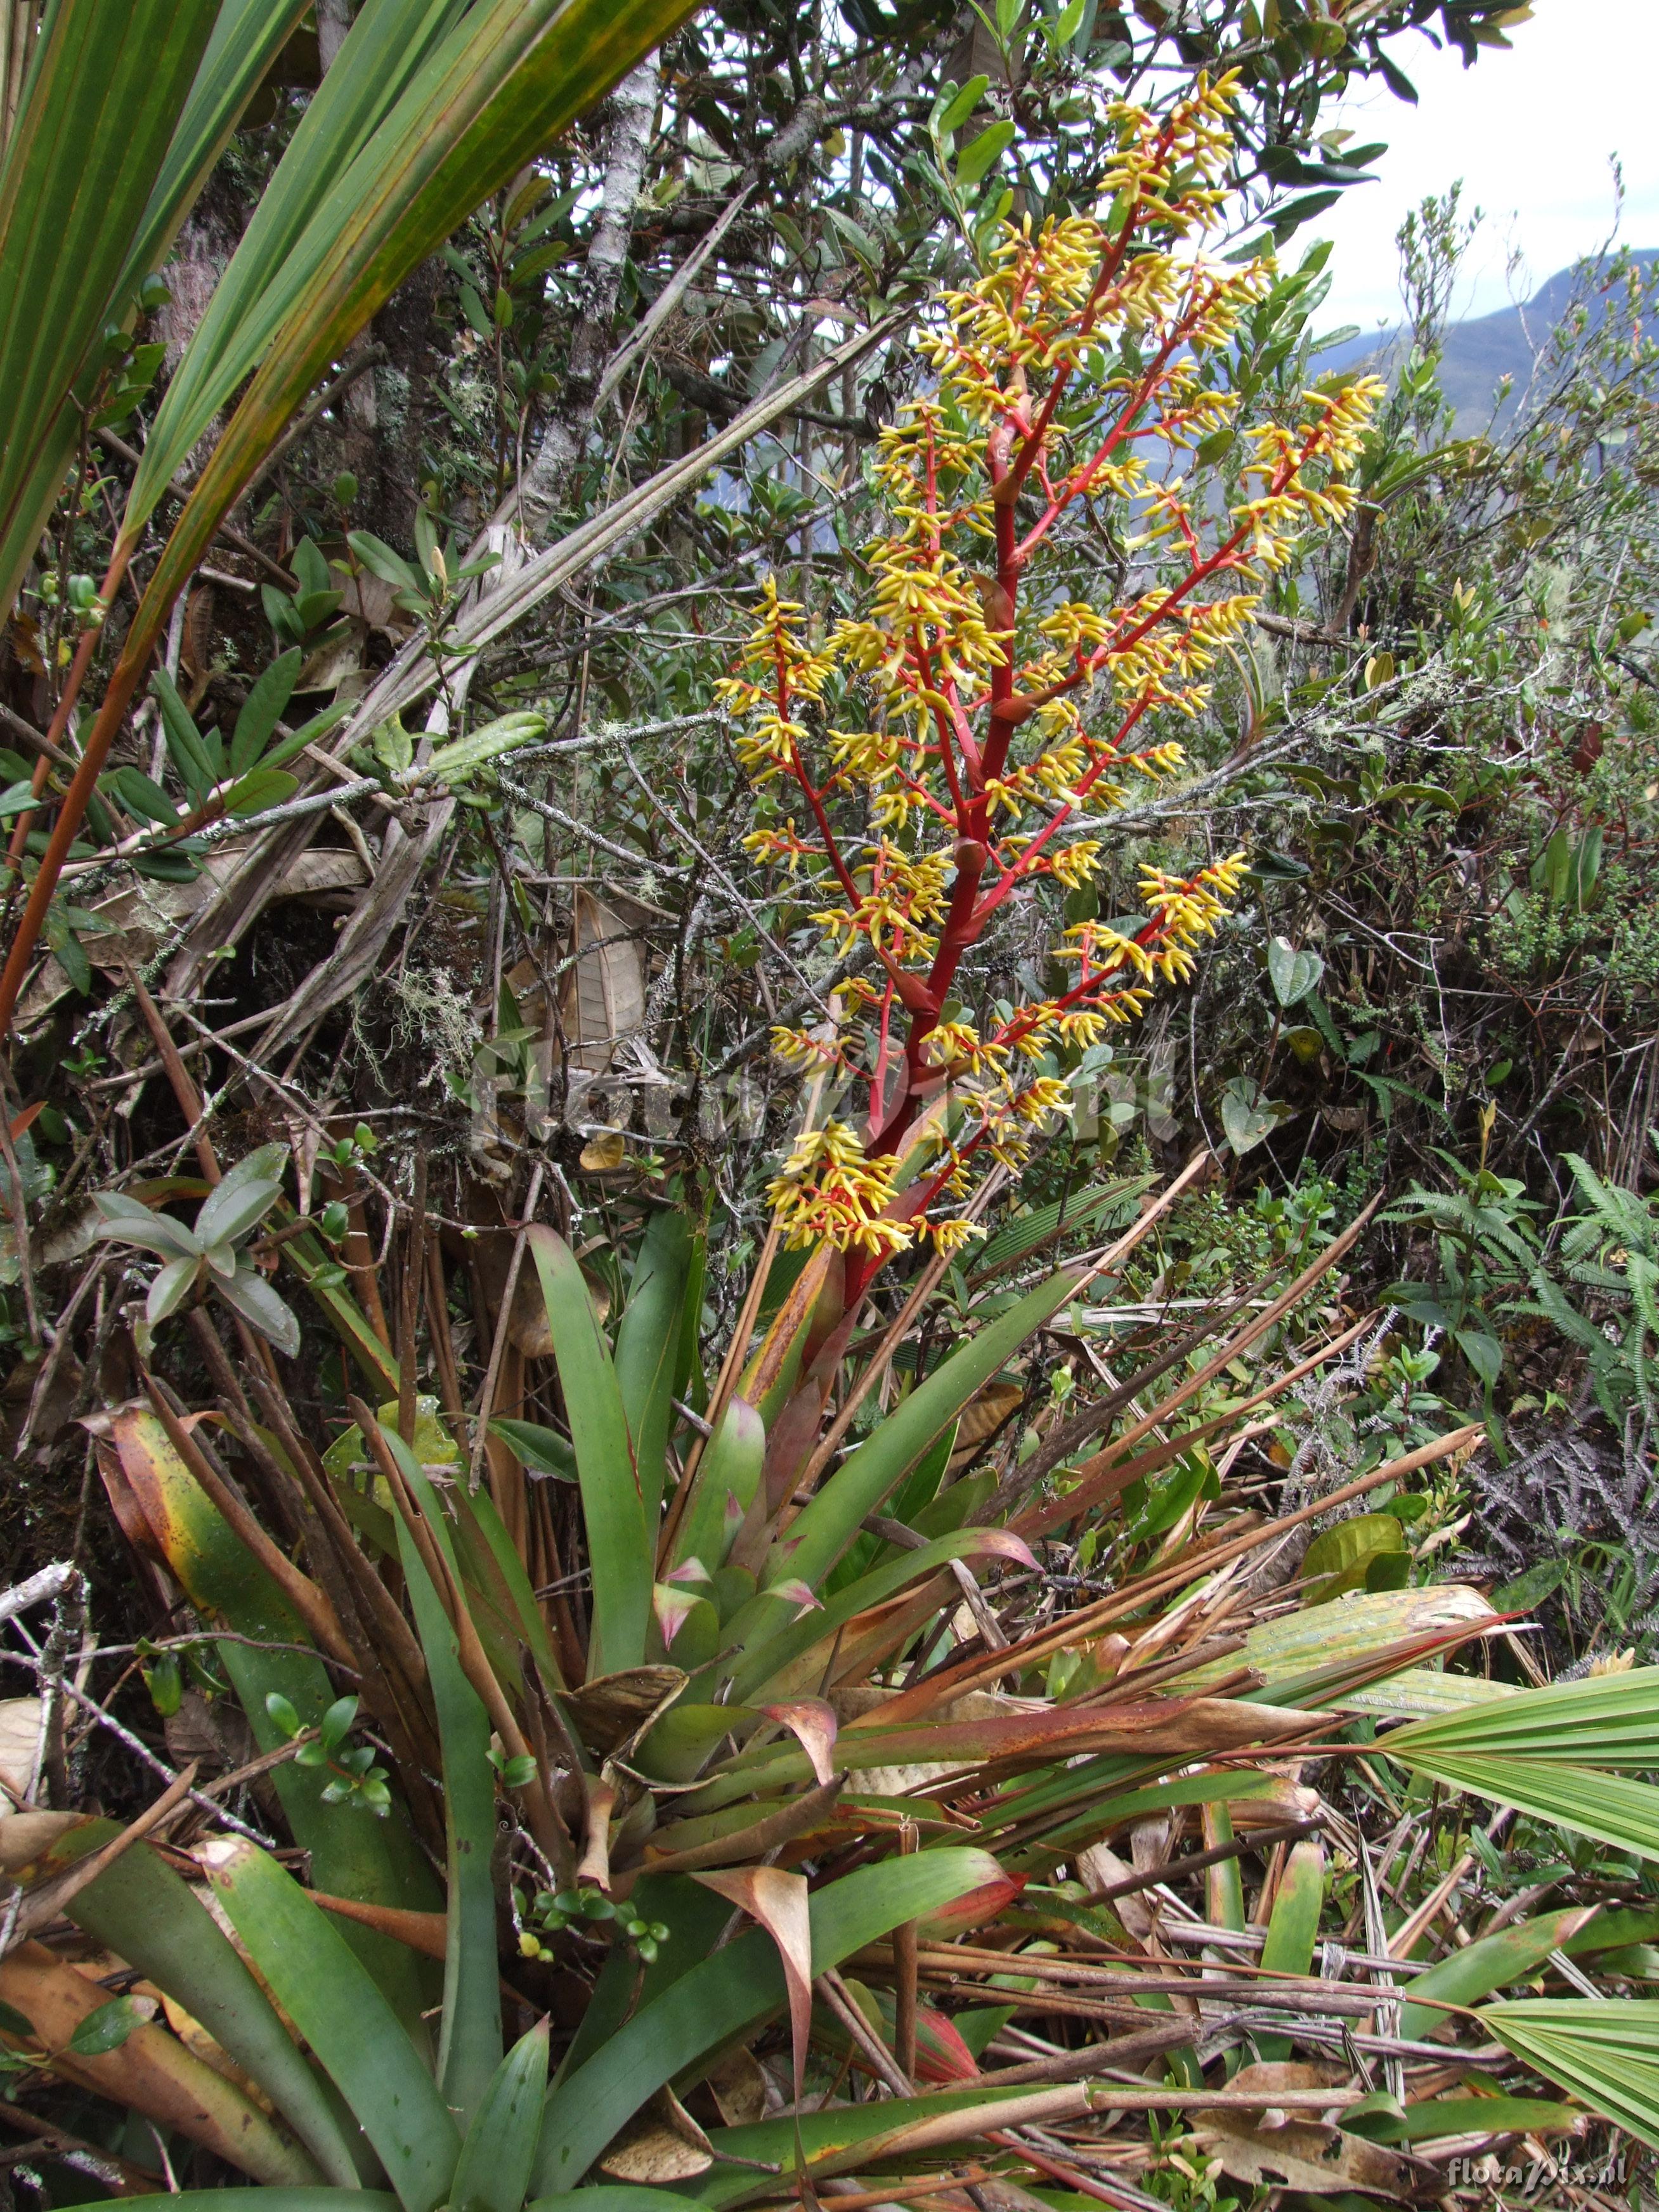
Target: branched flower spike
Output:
{"points": [[949, 748]]}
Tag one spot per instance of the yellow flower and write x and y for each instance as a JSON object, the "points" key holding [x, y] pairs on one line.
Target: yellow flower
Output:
{"points": [[827, 1192], [1102, 950], [1084, 1026], [949, 1042], [1043, 1095], [1074, 864], [952, 1236], [801, 1049]]}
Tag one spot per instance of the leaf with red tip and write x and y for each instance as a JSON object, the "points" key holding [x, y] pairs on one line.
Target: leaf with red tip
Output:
{"points": [[976, 1906], [941, 2053], [673, 1608], [795, 1592], [1002, 1544], [814, 1724], [778, 1901]]}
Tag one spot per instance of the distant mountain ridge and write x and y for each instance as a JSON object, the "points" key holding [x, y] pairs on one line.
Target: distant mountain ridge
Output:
{"points": [[1480, 352]]}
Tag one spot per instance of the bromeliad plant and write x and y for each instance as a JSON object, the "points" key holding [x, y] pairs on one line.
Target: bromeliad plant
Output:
{"points": [[763, 1679], [402, 2115], [963, 742], [899, 1847]]}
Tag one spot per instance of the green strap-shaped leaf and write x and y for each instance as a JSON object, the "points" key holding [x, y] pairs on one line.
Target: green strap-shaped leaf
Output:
{"points": [[141, 1909], [1224, 1883], [469, 2040], [500, 2149], [1471, 2116], [1082, 1212], [1563, 1753], [647, 1347], [1074, 1804], [490, 1562], [1614, 1931], [511, 74], [686, 1378], [351, 1854], [693, 1916], [767, 1639], [1293, 1926], [616, 2197], [1609, 1806], [827, 2142], [1492, 1962], [729, 1470], [1605, 1720], [822, 1531], [105, 90], [918, 1504], [728, 1993], [356, 2037], [619, 1537], [248, 37]]}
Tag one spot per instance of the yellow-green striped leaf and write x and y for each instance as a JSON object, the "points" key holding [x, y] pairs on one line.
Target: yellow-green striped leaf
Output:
{"points": [[104, 91]]}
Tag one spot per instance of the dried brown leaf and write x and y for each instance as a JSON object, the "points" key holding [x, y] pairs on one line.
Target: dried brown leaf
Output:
{"points": [[662, 2144], [1307, 2155], [607, 1713], [1273, 2151], [739, 2086], [603, 995], [983, 1415], [602, 1155]]}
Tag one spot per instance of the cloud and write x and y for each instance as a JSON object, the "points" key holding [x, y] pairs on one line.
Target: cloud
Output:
{"points": [[1530, 133]]}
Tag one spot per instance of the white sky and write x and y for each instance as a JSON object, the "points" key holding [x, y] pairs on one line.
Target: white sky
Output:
{"points": [[1530, 133]]}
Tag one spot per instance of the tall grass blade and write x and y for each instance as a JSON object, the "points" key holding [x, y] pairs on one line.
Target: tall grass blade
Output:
{"points": [[386, 48], [104, 91]]}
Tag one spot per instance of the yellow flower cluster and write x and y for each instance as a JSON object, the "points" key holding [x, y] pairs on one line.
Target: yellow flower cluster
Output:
{"points": [[1172, 165], [952, 1234], [781, 671], [904, 895], [828, 1192], [949, 743], [804, 1050]]}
